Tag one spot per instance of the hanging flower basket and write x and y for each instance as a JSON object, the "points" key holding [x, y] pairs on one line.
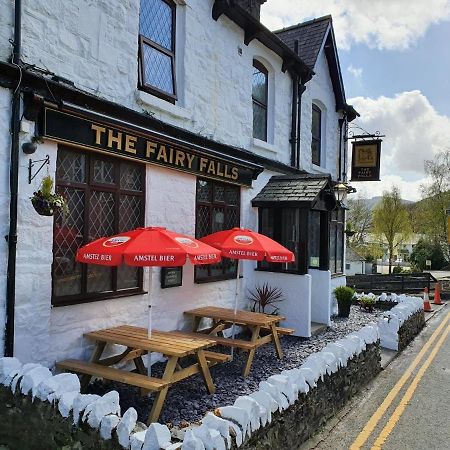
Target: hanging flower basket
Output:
{"points": [[45, 203]]}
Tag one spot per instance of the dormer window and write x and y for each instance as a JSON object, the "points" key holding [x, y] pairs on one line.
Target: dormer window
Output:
{"points": [[157, 48], [316, 132], [259, 98]]}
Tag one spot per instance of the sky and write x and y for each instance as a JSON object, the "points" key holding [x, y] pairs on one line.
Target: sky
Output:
{"points": [[395, 62]]}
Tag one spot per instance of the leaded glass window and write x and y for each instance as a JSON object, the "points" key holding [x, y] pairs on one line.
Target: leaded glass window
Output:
{"points": [[217, 209], [157, 48], [337, 240], [105, 196], [259, 98], [316, 135]]}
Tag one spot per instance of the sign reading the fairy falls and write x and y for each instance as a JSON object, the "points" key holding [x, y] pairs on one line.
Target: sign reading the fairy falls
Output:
{"points": [[366, 160], [145, 146]]}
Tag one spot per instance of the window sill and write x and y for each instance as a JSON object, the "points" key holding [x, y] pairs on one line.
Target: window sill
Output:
{"points": [[146, 99], [263, 145], [217, 278], [97, 298], [320, 169]]}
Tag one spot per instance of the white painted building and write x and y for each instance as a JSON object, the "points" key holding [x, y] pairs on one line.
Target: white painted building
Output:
{"points": [[104, 86]]}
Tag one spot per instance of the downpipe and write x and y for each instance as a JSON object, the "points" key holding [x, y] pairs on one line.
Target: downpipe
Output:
{"points": [[13, 185]]}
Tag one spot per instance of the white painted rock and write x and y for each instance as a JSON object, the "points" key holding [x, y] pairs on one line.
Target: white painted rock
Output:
{"points": [[7, 365], [191, 442], [276, 394], [338, 351], [267, 401], [65, 403], [33, 378], [238, 415], [253, 408], [107, 404], [157, 437], [126, 426], [12, 379], [331, 360], [286, 388], [317, 363], [221, 425], [107, 425], [211, 438], [80, 402], [52, 388], [309, 376], [137, 440]]}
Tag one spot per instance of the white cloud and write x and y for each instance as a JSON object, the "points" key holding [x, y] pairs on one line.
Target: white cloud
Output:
{"points": [[414, 131], [355, 71], [382, 24]]}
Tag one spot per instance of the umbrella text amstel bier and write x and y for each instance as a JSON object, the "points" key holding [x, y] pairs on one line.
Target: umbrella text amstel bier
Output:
{"points": [[148, 247]]}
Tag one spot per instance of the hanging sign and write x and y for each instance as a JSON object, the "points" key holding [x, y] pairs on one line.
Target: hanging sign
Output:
{"points": [[145, 146], [366, 160]]}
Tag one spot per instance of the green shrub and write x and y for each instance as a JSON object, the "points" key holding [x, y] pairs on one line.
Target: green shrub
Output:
{"points": [[397, 269], [344, 294], [367, 302]]}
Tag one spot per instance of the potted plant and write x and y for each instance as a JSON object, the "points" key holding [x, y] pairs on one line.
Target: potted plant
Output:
{"points": [[264, 296], [344, 296], [45, 202]]}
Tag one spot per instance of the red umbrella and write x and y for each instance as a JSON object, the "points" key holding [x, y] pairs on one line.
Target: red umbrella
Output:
{"points": [[241, 243], [152, 246]]}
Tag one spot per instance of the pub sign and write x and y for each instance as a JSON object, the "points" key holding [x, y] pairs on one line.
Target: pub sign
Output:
{"points": [[366, 160], [145, 146]]}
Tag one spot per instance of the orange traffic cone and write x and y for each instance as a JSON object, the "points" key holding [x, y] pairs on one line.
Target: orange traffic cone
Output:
{"points": [[437, 294], [426, 301]]}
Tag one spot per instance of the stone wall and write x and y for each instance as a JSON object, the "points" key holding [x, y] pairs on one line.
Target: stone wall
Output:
{"points": [[303, 419], [410, 329], [37, 425]]}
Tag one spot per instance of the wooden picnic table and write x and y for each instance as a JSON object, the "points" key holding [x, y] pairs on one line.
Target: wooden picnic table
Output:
{"points": [[257, 322], [173, 345]]}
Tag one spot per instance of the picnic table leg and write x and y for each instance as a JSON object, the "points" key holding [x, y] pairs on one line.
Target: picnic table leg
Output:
{"points": [[276, 340], [197, 320], [251, 353], [99, 347], [204, 370], [161, 395]]}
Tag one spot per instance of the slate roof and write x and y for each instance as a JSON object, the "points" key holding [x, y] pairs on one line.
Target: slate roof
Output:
{"points": [[297, 188], [310, 35]]}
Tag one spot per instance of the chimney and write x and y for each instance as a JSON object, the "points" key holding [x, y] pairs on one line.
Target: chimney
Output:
{"points": [[251, 6]]}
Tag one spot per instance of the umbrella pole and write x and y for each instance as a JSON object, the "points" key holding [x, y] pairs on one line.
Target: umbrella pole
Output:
{"points": [[149, 328], [236, 295]]}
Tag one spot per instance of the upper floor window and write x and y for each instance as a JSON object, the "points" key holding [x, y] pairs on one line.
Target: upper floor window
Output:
{"points": [[157, 48], [259, 97], [316, 132]]}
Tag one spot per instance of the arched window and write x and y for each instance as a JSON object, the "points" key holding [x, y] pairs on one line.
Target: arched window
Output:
{"points": [[259, 97], [316, 135], [157, 48]]}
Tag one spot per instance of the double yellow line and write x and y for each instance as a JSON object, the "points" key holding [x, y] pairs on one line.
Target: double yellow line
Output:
{"points": [[376, 417]]}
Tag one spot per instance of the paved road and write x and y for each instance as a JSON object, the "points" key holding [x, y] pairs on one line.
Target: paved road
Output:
{"points": [[412, 416]]}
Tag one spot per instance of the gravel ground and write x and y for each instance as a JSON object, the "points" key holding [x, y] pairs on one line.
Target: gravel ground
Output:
{"points": [[189, 400]]}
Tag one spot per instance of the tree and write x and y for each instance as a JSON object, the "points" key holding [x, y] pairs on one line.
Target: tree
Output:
{"points": [[391, 221], [359, 220], [431, 218], [424, 250]]}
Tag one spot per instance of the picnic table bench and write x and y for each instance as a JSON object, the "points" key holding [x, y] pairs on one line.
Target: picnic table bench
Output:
{"points": [[224, 318], [174, 345]]}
